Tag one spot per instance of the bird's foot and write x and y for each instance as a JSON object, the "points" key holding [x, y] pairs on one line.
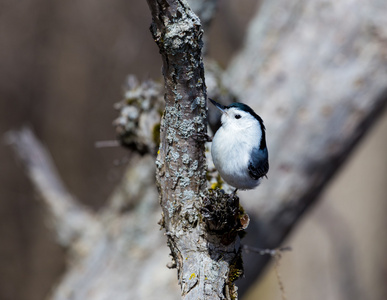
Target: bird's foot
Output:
{"points": [[233, 194]]}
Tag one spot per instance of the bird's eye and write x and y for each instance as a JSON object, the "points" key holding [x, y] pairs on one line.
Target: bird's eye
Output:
{"points": [[237, 116]]}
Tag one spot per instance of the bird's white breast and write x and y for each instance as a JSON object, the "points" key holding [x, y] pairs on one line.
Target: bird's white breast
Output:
{"points": [[231, 151]]}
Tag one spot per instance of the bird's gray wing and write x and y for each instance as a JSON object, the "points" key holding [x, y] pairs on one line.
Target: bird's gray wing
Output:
{"points": [[259, 163]]}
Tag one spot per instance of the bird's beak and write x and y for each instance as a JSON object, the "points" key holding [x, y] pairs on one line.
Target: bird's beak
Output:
{"points": [[218, 105]]}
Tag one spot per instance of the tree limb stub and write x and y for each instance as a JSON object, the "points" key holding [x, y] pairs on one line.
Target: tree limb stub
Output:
{"points": [[203, 259]]}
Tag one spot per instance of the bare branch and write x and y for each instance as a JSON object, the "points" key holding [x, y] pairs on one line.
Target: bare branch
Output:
{"points": [[68, 216], [106, 144], [136, 181]]}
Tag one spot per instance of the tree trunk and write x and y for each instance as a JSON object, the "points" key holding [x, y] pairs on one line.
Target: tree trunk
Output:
{"points": [[202, 257]]}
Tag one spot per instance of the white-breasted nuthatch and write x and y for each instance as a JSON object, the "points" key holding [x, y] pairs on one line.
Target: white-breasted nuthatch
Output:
{"points": [[239, 149]]}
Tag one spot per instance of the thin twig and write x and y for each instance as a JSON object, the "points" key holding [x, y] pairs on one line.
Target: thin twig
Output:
{"points": [[277, 258], [260, 251], [277, 255], [107, 144]]}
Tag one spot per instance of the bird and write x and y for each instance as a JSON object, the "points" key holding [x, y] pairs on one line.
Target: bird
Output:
{"points": [[239, 150]]}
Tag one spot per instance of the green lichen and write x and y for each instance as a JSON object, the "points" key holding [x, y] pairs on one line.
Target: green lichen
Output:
{"points": [[236, 268], [156, 134], [236, 271], [232, 291], [131, 101], [218, 184]]}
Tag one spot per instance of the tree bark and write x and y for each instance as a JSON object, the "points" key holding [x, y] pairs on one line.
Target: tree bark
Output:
{"points": [[203, 258]]}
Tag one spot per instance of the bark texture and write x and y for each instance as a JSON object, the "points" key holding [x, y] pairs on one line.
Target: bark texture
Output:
{"points": [[202, 259]]}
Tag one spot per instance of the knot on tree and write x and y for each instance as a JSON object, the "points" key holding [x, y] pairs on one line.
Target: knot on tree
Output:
{"points": [[138, 123], [223, 216]]}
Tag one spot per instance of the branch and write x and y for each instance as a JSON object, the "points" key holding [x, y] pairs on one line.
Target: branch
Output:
{"points": [[124, 256], [206, 254], [104, 249], [68, 216], [138, 124]]}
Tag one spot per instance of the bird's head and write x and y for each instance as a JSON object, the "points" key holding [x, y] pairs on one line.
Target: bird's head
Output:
{"points": [[238, 116]]}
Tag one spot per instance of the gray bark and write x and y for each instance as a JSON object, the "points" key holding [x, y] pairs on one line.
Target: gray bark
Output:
{"points": [[203, 256], [316, 71], [111, 253]]}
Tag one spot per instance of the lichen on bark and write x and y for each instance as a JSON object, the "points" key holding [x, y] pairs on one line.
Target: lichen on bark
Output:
{"points": [[202, 257]]}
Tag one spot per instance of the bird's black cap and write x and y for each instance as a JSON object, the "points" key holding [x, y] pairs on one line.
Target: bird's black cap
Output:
{"points": [[240, 106], [248, 109]]}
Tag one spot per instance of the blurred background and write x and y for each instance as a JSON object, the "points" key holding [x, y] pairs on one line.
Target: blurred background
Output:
{"points": [[62, 67]]}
